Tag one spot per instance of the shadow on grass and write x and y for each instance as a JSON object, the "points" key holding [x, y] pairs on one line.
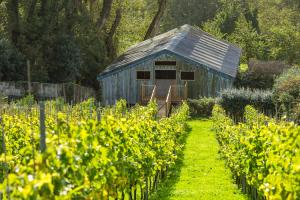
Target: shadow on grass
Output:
{"points": [[167, 186]]}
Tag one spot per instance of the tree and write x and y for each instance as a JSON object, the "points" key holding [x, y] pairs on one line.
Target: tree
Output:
{"points": [[111, 50], [13, 20], [193, 12], [249, 40], [12, 62], [154, 26], [105, 12]]}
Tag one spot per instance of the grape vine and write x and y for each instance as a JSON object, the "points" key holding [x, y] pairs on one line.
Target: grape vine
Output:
{"points": [[265, 152], [91, 153]]}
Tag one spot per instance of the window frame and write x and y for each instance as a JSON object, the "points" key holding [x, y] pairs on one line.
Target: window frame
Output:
{"points": [[187, 71], [167, 63], [137, 71]]}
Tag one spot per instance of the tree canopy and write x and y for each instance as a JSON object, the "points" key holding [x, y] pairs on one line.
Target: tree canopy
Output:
{"points": [[74, 40]]}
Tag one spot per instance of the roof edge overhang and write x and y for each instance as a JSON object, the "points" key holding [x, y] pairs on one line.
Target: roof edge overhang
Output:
{"points": [[166, 51], [132, 64]]}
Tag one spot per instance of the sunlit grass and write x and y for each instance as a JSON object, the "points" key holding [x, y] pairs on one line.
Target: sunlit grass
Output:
{"points": [[202, 174]]}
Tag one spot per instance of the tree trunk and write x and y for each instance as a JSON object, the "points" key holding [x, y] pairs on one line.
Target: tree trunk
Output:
{"points": [[70, 11], [13, 20], [31, 10], [107, 4], [42, 12], [152, 30], [111, 50]]}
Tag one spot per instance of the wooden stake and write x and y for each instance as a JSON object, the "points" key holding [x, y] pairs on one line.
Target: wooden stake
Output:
{"points": [[29, 77], [42, 127]]}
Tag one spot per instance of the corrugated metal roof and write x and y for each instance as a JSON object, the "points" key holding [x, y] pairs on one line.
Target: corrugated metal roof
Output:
{"points": [[189, 42]]}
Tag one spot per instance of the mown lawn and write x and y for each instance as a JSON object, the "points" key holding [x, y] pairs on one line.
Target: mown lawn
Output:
{"points": [[201, 175]]}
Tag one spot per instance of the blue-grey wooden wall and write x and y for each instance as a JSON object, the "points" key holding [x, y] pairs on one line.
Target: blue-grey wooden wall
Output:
{"points": [[122, 84]]}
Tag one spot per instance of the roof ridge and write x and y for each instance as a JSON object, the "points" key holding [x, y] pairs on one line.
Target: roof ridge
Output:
{"points": [[150, 40], [180, 34]]}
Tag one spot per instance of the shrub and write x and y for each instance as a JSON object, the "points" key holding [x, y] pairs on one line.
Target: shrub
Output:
{"points": [[26, 101], [287, 91], [201, 107], [287, 86], [12, 63], [260, 74], [234, 101]]}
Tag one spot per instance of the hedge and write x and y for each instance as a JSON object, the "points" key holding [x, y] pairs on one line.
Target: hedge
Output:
{"points": [[201, 107], [234, 101]]}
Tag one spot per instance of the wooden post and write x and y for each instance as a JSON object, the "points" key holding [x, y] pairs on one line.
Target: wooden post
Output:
{"points": [[74, 97], [64, 92], [143, 92], [91, 110], [56, 88], [146, 190], [99, 112], [29, 77], [42, 127], [185, 90], [32, 140]]}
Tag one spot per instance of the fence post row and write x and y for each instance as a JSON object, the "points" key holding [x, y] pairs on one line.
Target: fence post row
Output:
{"points": [[42, 127]]}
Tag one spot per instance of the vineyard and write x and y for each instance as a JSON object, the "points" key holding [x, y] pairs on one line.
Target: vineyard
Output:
{"points": [[58, 151], [263, 154]]}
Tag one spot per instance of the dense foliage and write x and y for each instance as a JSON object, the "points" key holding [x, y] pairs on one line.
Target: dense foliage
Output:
{"points": [[287, 86], [265, 152], [287, 92], [265, 30], [201, 107], [75, 40], [12, 63], [88, 156], [260, 74], [234, 101], [70, 40]]}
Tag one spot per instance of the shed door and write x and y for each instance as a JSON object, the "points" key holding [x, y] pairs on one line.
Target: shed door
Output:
{"points": [[163, 80]]}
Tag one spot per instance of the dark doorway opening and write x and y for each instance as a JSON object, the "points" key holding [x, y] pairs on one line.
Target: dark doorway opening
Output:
{"points": [[165, 74]]}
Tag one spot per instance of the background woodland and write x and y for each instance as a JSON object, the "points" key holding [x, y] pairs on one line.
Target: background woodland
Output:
{"points": [[74, 40]]}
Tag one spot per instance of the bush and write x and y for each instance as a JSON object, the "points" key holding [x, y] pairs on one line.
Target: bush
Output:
{"points": [[26, 101], [260, 74], [201, 107], [287, 91], [287, 86], [234, 101], [12, 63]]}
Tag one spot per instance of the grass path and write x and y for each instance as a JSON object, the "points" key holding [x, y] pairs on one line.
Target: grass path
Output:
{"points": [[201, 175]]}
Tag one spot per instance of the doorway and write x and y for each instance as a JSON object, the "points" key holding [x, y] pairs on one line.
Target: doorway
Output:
{"points": [[163, 80]]}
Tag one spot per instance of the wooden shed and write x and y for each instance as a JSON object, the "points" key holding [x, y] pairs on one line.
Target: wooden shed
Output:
{"points": [[184, 63]]}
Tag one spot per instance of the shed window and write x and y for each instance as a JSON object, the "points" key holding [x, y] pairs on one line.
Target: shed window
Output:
{"points": [[168, 63], [143, 75], [187, 76], [165, 74]]}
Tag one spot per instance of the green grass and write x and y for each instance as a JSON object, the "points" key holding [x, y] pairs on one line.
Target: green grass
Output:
{"points": [[201, 174]]}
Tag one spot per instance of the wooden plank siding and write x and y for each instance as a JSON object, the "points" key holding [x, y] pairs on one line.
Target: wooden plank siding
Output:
{"points": [[122, 84]]}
